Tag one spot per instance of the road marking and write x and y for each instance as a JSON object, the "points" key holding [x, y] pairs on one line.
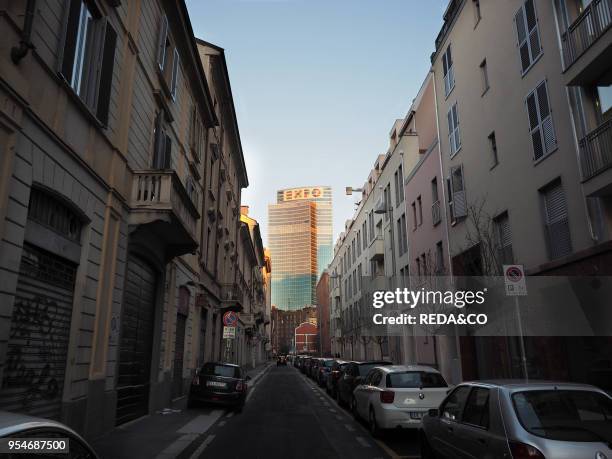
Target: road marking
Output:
{"points": [[331, 410], [230, 414], [201, 424], [177, 446], [392, 453], [338, 417], [363, 442], [349, 427], [222, 423], [200, 449]]}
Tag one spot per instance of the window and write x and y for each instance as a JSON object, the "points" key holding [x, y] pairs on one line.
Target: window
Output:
{"points": [[399, 186], [454, 139], [197, 133], [454, 404], [420, 208], [414, 216], [365, 235], [556, 221], [439, 258], [89, 56], [449, 74], [477, 15], [436, 214], [484, 75], [504, 239], [162, 149], [401, 235], [167, 58], [456, 194], [415, 380], [541, 125], [192, 191], [493, 150], [387, 197], [477, 408], [527, 33]]}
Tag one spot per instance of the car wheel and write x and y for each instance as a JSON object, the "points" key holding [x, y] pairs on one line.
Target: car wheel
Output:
{"points": [[374, 429], [426, 451]]}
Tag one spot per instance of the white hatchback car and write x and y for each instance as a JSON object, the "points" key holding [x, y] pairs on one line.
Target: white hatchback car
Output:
{"points": [[398, 396]]}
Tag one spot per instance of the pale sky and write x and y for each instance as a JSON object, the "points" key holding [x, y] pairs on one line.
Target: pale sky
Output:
{"points": [[317, 85]]}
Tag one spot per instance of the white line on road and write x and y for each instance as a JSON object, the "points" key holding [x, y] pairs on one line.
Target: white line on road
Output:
{"points": [[363, 442], [198, 452], [201, 424], [331, 410], [230, 414], [222, 423], [349, 427]]}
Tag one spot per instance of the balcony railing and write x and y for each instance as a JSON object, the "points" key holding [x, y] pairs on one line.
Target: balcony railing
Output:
{"points": [[436, 216], [159, 196], [586, 29], [377, 249], [232, 297], [596, 150]]}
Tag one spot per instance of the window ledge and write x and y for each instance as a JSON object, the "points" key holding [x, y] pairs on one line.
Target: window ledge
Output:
{"points": [[449, 92], [485, 91], [539, 160], [494, 166]]}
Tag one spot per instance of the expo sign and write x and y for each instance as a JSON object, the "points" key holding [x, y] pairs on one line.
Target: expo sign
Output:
{"points": [[302, 193]]}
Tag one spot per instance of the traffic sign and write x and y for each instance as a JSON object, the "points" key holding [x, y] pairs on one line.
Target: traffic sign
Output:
{"points": [[229, 332], [514, 280], [230, 318]]}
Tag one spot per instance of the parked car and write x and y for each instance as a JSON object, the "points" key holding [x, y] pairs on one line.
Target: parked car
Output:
{"points": [[23, 427], [314, 367], [535, 420], [219, 383], [351, 377], [323, 370], [397, 396], [281, 360], [305, 363], [296, 361], [334, 375]]}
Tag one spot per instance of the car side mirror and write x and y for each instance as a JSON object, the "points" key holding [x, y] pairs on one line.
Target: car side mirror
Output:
{"points": [[248, 378], [433, 412]]}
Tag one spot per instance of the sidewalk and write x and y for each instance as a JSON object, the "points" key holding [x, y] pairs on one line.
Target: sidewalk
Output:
{"points": [[164, 434]]}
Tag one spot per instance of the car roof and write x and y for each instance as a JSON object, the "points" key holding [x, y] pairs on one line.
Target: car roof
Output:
{"points": [[17, 422], [370, 362], [402, 368], [521, 384]]}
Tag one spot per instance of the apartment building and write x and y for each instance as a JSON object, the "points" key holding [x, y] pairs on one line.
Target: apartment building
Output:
{"points": [[120, 208], [323, 317], [515, 193]]}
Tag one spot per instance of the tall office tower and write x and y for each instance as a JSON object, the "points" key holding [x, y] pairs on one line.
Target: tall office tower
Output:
{"points": [[300, 239]]}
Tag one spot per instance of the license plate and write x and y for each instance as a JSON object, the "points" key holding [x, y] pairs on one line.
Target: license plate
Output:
{"points": [[416, 415], [215, 384]]}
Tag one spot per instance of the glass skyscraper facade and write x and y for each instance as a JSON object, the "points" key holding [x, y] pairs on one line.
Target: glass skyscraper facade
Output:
{"points": [[300, 240]]}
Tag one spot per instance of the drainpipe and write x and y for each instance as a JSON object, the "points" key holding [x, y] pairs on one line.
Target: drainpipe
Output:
{"points": [[25, 44]]}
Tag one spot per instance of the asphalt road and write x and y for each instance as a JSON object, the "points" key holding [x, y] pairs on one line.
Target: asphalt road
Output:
{"points": [[287, 416]]}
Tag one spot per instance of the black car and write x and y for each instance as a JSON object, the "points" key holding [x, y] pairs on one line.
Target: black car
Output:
{"points": [[351, 377], [322, 372], [305, 365], [334, 376], [281, 360], [220, 384], [313, 368]]}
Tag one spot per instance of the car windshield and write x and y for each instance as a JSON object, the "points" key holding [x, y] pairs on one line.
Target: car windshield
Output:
{"points": [[415, 379], [365, 368], [212, 369], [565, 415]]}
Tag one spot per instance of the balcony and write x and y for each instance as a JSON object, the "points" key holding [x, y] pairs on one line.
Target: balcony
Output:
{"points": [[376, 250], [436, 215], [161, 207], [596, 151], [587, 45], [232, 298]]}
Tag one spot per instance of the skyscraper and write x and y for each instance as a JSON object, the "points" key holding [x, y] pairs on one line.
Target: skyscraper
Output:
{"points": [[300, 239]]}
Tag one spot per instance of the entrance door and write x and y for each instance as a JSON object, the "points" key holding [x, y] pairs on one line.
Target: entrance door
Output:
{"points": [[136, 343], [179, 350], [33, 377]]}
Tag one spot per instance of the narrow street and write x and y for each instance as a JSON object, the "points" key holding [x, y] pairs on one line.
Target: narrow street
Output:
{"points": [[287, 415]]}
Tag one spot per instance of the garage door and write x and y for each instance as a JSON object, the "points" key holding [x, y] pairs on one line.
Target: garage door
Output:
{"points": [[136, 343], [33, 377]]}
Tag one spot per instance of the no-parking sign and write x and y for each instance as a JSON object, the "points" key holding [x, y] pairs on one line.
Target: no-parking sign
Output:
{"points": [[514, 279], [230, 318]]}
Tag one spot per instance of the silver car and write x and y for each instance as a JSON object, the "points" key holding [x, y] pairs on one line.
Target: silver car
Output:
{"points": [[23, 427], [398, 396], [515, 419]]}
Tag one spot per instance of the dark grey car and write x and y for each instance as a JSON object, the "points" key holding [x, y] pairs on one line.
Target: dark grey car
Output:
{"points": [[516, 420]]}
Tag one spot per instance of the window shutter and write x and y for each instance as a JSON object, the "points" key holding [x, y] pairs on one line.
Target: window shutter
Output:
{"points": [[175, 66], [167, 151], [158, 145], [456, 126], [458, 190], [72, 28], [532, 28], [161, 46], [555, 204], [106, 75], [548, 131], [451, 134], [557, 225], [521, 32]]}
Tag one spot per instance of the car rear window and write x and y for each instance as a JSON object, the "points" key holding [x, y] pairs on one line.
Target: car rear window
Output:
{"points": [[211, 369], [415, 379], [329, 363], [565, 415], [365, 368]]}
